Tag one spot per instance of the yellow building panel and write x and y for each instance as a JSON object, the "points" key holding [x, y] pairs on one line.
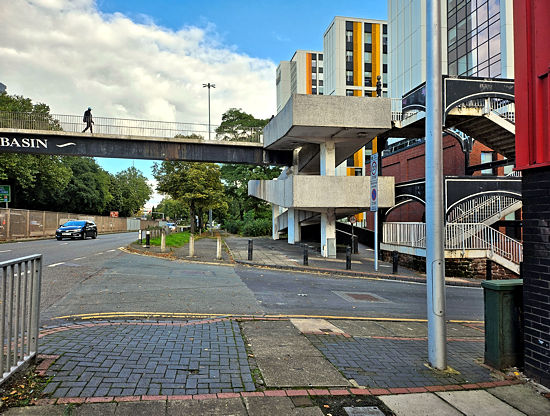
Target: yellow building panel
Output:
{"points": [[350, 172], [357, 58], [358, 159], [376, 54]]}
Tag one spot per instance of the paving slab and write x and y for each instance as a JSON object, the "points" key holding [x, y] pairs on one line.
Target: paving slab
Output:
{"points": [[262, 406], [233, 406], [315, 325], [47, 410], [95, 409], [419, 404], [286, 358], [524, 398], [358, 328], [478, 403], [141, 408]]}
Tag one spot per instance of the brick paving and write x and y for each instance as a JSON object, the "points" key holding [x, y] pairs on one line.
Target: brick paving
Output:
{"points": [[148, 360], [392, 363]]}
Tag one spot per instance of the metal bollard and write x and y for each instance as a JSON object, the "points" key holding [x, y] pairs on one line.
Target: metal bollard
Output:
{"points": [[148, 239], [395, 261], [163, 241], [355, 244], [306, 256], [219, 249], [140, 238], [348, 258], [250, 249]]}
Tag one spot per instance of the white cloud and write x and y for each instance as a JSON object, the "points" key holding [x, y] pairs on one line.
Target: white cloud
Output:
{"points": [[68, 55], [156, 197]]}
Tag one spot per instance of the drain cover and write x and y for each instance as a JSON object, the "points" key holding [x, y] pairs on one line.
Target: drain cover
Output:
{"points": [[360, 296], [363, 296], [363, 411]]}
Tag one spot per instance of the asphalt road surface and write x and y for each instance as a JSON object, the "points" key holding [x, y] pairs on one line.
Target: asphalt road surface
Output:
{"points": [[93, 278]]}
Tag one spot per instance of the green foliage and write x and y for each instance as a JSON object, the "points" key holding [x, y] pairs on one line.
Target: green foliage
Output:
{"points": [[192, 136], [257, 227], [130, 192], [173, 209], [197, 185], [237, 125], [173, 240]]}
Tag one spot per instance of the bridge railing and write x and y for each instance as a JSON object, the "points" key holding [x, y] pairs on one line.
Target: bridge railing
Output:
{"points": [[128, 127], [20, 312]]}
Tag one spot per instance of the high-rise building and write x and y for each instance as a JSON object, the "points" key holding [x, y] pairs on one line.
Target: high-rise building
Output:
{"points": [[2, 88], [356, 52], [303, 74], [477, 40]]}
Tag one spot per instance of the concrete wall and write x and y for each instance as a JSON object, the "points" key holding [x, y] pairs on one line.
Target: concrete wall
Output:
{"points": [[316, 192]]}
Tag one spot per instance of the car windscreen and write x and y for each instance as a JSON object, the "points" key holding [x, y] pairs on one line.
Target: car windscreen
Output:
{"points": [[78, 223]]}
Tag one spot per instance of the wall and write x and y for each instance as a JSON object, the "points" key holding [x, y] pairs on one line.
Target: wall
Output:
{"points": [[536, 273]]}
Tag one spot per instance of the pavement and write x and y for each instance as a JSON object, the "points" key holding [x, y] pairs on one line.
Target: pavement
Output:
{"points": [[273, 366]]}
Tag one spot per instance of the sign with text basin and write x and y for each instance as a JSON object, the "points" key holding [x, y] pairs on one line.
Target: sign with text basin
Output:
{"points": [[5, 193], [374, 182]]}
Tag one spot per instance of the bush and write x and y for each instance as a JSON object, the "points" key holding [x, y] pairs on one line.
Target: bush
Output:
{"points": [[257, 227], [233, 226]]}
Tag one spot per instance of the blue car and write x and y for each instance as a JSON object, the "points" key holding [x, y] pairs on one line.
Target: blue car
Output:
{"points": [[76, 229]]}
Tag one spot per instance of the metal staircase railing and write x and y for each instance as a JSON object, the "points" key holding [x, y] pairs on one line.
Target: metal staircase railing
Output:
{"points": [[482, 209], [458, 236]]}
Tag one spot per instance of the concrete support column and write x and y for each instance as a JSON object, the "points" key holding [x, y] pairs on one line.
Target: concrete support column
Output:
{"points": [[294, 228], [274, 221], [328, 233], [328, 158]]}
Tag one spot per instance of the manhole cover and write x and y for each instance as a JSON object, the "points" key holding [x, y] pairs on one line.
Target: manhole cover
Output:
{"points": [[360, 296], [363, 411], [363, 296]]}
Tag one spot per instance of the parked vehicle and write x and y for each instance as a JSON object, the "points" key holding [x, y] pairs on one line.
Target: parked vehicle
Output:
{"points": [[76, 229], [171, 226]]}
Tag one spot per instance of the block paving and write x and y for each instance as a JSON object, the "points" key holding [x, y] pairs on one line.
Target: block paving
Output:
{"points": [[400, 363], [147, 359]]}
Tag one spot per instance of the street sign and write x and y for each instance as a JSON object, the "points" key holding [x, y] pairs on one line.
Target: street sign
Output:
{"points": [[5, 193], [374, 182], [114, 214], [352, 219]]}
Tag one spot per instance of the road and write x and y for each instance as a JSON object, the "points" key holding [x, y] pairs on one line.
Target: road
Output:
{"points": [[94, 277]]}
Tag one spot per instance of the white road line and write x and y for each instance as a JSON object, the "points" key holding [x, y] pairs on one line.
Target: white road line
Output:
{"points": [[79, 258], [97, 254], [109, 251], [64, 243], [5, 251], [56, 264]]}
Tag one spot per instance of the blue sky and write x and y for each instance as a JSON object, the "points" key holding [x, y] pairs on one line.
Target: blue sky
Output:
{"points": [[264, 29]]}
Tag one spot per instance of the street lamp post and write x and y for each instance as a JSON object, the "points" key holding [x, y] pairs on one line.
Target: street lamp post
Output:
{"points": [[209, 85]]}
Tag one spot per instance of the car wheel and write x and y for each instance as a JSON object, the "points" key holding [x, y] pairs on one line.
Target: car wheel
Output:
{"points": [[94, 235], [83, 235], [58, 238]]}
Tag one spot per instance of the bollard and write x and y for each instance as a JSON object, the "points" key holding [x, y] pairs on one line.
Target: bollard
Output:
{"points": [[191, 245], [355, 244], [250, 249], [348, 258], [140, 237], [306, 257], [163, 240], [148, 239], [395, 261], [219, 249]]}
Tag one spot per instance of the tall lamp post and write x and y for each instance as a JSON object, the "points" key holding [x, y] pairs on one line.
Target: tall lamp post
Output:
{"points": [[209, 85]]}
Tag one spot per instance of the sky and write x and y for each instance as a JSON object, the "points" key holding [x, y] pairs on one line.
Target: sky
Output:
{"points": [[147, 59]]}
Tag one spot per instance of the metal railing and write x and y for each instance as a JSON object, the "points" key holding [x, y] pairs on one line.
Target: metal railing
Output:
{"points": [[504, 108], [127, 127], [460, 236], [480, 209], [20, 312]]}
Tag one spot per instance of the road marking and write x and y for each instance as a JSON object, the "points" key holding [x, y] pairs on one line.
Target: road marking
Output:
{"points": [[97, 254], [5, 251], [102, 315], [110, 251], [79, 258], [56, 264]]}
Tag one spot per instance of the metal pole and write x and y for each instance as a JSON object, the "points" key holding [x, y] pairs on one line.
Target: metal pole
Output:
{"points": [[348, 258], [435, 257], [208, 111], [376, 240], [250, 250], [306, 255]]}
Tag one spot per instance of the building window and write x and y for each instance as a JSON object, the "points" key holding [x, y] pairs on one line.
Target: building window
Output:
{"points": [[349, 77], [349, 36], [349, 56], [358, 171], [314, 76], [320, 56], [368, 37], [349, 93], [368, 57], [320, 90], [314, 90], [486, 157]]}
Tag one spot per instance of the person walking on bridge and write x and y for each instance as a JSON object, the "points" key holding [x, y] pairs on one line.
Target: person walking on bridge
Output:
{"points": [[88, 120]]}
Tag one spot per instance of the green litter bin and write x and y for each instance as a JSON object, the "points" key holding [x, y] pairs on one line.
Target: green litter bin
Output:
{"points": [[503, 322]]}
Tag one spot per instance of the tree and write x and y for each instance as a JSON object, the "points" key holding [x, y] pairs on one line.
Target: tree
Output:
{"points": [[33, 178], [196, 184], [237, 125], [130, 192], [173, 209], [193, 136]]}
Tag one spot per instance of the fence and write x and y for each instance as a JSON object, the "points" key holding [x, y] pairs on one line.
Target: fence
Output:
{"points": [[128, 127], [22, 223], [20, 312]]}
